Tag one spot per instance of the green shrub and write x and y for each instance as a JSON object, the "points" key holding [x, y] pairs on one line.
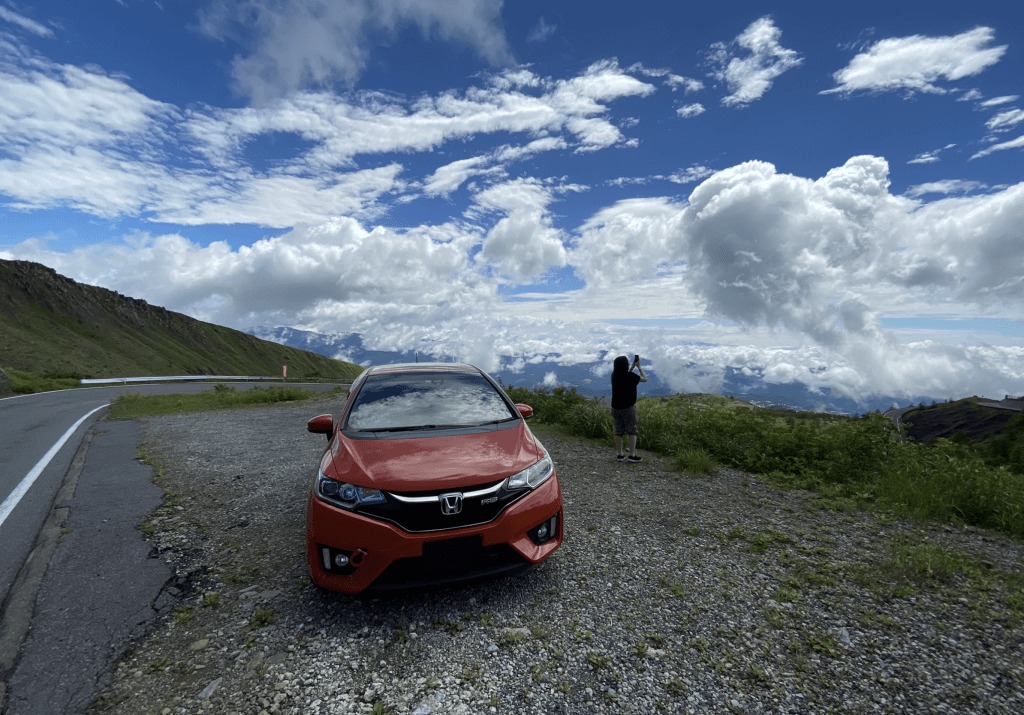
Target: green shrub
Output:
{"points": [[24, 383], [948, 482], [852, 460], [1007, 449], [695, 461]]}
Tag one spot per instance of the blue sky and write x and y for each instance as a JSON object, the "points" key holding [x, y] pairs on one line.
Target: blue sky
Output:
{"points": [[823, 193]]}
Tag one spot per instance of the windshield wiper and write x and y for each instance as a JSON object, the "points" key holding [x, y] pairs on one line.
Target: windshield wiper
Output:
{"points": [[409, 428]]}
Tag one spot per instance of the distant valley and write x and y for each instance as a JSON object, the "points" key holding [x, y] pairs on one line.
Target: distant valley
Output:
{"points": [[51, 325], [584, 376]]}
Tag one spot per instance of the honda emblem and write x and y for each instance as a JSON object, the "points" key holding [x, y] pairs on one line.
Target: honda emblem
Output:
{"points": [[451, 504]]}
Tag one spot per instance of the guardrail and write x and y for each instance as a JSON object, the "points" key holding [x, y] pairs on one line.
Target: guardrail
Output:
{"points": [[215, 378]]}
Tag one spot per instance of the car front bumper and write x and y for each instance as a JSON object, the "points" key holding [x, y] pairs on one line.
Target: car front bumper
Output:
{"points": [[380, 555]]}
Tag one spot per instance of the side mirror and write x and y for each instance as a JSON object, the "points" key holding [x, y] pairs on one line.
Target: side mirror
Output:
{"points": [[525, 410], [321, 424]]}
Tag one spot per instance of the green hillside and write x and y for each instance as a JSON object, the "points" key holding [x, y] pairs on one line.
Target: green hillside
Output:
{"points": [[994, 430], [52, 326]]}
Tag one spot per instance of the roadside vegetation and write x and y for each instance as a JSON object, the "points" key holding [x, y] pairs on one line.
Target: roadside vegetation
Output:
{"points": [[24, 383], [851, 462], [996, 435], [222, 396]]}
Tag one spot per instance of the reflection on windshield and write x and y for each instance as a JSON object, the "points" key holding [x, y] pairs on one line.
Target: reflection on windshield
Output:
{"points": [[410, 401]]}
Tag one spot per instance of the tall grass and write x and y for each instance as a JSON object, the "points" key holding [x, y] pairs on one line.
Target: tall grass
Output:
{"points": [[24, 383], [861, 458]]}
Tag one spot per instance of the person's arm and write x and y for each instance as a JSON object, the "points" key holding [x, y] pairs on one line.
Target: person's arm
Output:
{"points": [[640, 370]]}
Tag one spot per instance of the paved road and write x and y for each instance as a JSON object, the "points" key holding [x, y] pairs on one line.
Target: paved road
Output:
{"points": [[73, 568]]}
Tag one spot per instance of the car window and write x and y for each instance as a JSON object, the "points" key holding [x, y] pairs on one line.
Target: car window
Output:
{"points": [[420, 400]]}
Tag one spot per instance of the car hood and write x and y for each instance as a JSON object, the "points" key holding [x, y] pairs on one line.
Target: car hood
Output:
{"points": [[427, 463]]}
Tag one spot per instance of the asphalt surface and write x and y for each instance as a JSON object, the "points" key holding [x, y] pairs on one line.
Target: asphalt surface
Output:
{"points": [[100, 586], [30, 426], [77, 583]]}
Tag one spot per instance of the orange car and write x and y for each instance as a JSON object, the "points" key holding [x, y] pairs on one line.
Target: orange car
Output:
{"points": [[430, 476]]}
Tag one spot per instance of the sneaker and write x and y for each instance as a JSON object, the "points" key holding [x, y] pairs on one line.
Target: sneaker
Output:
{"points": [[633, 458], [620, 457]]}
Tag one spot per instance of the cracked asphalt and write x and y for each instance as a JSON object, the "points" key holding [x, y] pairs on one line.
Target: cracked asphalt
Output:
{"points": [[101, 587]]}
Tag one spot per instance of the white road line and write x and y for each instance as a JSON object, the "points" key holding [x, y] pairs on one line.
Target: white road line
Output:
{"points": [[19, 491]]}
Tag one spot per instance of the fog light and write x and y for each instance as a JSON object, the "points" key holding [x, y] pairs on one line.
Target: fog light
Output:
{"points": [[336, 561], [543, 533]]}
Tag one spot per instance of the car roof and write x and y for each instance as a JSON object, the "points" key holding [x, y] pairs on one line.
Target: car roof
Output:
{"points": [[407, 367]]}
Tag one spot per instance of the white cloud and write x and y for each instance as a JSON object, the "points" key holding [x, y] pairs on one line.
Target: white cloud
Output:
{"points": [[772, 249], [999, 101], [121, 153], [1004, 121], [690, 175], [688, 111], [70, 107], [950, 186], [918, 63], [291, 45], [965, 250], [819, 259], [1017, 143], [280, 200], [750, 70], [332, 277], [25, 23], [450, 177], [930, 157], [523, 244], [687, 84], [770, 258], [627, 242]]}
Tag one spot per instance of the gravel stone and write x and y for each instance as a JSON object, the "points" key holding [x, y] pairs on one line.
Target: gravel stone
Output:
{"points": [[671, 594]]}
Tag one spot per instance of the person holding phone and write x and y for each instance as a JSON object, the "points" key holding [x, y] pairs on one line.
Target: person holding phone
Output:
{"points": [[624, 382]]}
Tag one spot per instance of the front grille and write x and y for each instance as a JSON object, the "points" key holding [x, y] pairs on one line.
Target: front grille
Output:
{"points": [[427, 515], [448, 561]]}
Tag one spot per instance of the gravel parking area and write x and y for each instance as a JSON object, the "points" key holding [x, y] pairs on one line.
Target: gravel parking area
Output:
{"points": [[672, 594]]}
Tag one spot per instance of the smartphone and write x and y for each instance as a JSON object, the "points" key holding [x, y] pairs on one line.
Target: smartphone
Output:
{"points": [[636, 358]]}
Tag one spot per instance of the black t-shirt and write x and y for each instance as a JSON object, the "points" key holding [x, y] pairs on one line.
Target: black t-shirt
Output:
{"points": [[624, 389]]}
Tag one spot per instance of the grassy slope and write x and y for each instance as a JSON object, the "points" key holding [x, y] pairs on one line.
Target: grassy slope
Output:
{"points": [[962, 417], [997, 435], [51, 325]]}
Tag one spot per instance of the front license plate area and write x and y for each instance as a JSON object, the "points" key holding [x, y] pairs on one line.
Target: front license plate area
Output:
{"points": [[453, 554]]}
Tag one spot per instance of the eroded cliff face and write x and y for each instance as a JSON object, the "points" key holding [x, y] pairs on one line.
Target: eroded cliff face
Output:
{"points": [[24, 284]]}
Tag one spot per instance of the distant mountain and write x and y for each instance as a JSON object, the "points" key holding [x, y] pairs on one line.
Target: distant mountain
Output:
{"points": [[585, 379], [53, 326]]}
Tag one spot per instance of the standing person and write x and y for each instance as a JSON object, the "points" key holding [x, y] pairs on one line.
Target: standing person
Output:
{"points": [[624, 382]]}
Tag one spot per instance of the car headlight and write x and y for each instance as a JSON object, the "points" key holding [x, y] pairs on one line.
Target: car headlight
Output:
{"points": [[534, 475], [347, 496]]}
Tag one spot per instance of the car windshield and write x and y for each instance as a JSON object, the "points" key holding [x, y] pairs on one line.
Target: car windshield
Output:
{"points": [[426, 400]]}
